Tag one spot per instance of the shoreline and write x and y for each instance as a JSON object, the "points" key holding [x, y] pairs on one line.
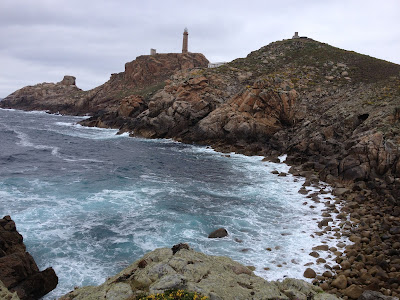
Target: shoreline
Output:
{"points": [[372, 262], [371, 224]]}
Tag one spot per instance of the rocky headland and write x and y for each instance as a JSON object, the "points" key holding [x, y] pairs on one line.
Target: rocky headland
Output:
{"points": [[335, 113], [141, 78]]}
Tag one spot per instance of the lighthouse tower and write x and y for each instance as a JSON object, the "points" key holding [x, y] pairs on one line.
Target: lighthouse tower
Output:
{"points": [[185, 41]]}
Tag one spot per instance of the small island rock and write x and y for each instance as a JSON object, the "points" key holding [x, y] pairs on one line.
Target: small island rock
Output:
{"points": [[219, 233]]}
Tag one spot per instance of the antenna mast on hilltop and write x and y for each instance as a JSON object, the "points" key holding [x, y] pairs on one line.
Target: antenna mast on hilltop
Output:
{"points": [[185, 41]]}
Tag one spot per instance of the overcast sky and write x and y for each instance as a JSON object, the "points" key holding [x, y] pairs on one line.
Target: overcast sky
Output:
{"points": [[42, 40]]}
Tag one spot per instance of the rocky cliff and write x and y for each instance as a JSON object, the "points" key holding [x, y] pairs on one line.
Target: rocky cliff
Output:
{"points": [[143, 77], [18, 270], [336, 114], [336, 109]]}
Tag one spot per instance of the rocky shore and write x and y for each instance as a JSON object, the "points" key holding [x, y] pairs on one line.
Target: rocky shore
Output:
{"points": [[371, 261], [335, 113]]}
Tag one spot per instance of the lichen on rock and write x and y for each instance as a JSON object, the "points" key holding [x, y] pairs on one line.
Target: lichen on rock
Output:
{"points": [[216, 277]]}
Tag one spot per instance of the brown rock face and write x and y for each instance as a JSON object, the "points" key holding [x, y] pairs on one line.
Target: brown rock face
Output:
{"points": [[18, 270], [142, 76], [68, 80], [130, 106], [147, 69], [207, 108], [63, 97], [258, 112]]}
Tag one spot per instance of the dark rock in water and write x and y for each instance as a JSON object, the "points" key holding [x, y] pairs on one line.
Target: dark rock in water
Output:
{"points": [[314, 254], [219, 233], [18, 270], [245, 250], [178, 247]]}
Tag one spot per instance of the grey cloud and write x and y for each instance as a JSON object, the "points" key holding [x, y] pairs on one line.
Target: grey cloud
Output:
{"points": [[92, 39]]}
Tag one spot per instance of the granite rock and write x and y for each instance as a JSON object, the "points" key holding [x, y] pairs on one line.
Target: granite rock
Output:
{"points": [[216, 277]]}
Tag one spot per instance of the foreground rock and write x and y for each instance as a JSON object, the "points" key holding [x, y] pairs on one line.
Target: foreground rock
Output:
{"points": [[18, 270], [213, 276]]}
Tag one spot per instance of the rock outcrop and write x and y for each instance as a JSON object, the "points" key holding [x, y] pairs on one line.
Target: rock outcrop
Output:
{"points": [[68, 80], [252, 115], [216, 277], [62, 97], [142, 77], [18, 270]]}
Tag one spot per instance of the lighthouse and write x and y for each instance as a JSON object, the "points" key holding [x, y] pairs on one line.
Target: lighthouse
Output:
{"points": [[185, 41]]}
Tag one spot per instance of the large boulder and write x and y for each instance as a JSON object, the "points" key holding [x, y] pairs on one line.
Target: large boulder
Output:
{"points": [[18, 270], [216, 277]]}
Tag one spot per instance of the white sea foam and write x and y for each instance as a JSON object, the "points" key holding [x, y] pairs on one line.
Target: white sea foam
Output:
{"points": [[101, 214], [25, 141]]}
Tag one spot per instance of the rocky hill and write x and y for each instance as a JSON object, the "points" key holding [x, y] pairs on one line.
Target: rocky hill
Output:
{"points": [[336, 109], [141, 77]]}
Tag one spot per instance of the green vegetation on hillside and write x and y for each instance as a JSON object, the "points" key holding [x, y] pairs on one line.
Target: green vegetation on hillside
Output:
{"points": [[311, 62]]}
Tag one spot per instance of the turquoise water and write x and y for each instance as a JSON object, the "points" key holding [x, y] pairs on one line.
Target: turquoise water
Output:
{"points": [[89, 202]]}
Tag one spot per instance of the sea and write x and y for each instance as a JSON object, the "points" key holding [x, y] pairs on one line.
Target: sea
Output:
{"points": [[89, 202]]}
